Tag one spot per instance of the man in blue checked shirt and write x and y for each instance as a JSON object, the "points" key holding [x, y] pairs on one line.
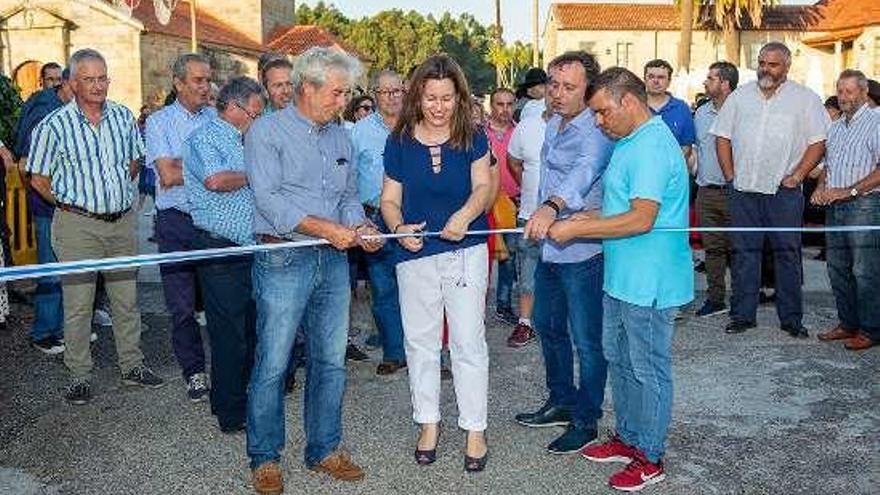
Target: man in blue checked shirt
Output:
{"points": [[166, 131], [368, 139], [222, 209], [84, 160]]}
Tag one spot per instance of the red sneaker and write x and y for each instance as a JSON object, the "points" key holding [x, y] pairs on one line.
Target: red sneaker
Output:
{"points": [[638, 474], [614, 450], [522, 335]]}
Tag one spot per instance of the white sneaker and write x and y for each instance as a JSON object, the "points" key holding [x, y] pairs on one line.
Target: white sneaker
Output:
{"points": [[200, 317], [102, 318], [93, 337]]}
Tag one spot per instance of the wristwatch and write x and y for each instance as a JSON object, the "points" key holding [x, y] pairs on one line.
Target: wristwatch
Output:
{"points": [[854, 192]]}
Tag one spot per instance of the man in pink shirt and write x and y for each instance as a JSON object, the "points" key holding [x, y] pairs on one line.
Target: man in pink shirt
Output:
{"points": [[500, 130]]}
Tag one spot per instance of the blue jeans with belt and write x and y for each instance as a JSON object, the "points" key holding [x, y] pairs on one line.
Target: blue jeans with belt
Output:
{"points": [[293, 286], [854, 264]]}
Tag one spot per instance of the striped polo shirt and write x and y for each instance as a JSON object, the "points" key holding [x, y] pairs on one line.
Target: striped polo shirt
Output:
{"points": [[88, 165], [852, 150]]}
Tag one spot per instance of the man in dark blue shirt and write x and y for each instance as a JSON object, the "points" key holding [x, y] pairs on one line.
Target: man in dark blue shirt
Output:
{"points": [[675, 113], [47, 332]]}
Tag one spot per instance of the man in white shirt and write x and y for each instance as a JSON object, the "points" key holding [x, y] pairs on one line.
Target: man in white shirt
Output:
{"points": [[524, 162], [770, 135]]}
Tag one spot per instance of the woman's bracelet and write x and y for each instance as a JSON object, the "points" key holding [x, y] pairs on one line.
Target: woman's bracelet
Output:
{"points": [[552, 204]]}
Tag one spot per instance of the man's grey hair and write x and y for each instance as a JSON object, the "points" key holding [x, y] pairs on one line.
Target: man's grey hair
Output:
{"points": [[314, 64], [859, 76], [777, 46], [81, 56], [178, 69], [382, 74], [238, 90]]}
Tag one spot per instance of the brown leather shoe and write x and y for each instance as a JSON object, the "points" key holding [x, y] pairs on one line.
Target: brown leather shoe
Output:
{"points": [[837, 333], [340, 466], [860, 342], [390, 367], [267, 479]]}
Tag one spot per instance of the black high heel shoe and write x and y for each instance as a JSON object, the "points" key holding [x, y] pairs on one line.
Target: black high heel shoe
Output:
{"points": [[426, 457], [476, 464]]}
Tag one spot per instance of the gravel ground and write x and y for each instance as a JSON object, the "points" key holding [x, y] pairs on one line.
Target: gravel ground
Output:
{"points": [[753, 414]]}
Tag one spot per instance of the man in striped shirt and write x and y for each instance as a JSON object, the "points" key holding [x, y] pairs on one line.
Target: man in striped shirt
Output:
{"points": [[83, 158], [850, 187]]}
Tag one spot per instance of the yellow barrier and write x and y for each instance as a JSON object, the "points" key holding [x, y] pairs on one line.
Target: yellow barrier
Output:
{"points": [[22, 240]]}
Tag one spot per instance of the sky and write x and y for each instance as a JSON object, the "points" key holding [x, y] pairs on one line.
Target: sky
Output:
{"points": [[516, 15]]}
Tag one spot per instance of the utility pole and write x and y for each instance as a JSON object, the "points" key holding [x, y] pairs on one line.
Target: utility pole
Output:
{"points": [[498, 30], [535, 50], [194, 42]]}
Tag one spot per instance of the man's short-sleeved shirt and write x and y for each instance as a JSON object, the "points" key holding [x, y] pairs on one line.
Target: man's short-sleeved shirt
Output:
{"points": [[677, 115], [654, 269], [708, 169], [166, 131], [213, 148], [89, 165], [430, 197], [769, 135], [525, 145]]}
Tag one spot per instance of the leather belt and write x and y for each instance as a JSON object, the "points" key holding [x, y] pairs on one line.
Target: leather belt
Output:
{"points": [[104, 217], [714, 186], [271, 239]]}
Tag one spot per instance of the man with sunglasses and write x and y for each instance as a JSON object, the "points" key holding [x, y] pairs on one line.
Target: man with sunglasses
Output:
{"points": [[368, 142], [166, 131], [222, 205]]}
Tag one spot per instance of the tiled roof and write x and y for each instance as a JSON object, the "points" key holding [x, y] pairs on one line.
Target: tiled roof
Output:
{"points": [[826, 15], [297, 39], [209, 29]]}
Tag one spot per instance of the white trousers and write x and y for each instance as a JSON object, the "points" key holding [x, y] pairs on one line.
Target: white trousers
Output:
{"points": [[456, 282]]}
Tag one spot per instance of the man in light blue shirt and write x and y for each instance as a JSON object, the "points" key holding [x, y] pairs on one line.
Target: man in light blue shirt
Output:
{"points": [[713, 193], [222, 211], [368, 142], [166, 131], [299, 165], [568, 279], [648, 274]]}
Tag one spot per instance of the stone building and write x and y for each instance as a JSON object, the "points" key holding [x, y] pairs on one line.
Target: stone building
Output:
{"points": [[824, 38], [140, 49]]}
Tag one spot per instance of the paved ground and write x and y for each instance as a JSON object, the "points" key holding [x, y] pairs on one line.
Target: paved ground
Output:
{"points": [[754, 414]]}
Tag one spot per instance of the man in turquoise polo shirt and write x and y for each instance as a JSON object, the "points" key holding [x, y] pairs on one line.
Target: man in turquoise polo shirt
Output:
{"points": [[648, 273]]}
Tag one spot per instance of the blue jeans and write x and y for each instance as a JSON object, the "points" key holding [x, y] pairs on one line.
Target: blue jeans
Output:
{"points": [[638, 345], [291, 286], [507, 275], [48, 301], [854, 264], [568, 307], [386, 302]]}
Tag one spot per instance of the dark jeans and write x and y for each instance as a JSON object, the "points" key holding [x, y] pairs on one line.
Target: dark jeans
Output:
{"points": [[783, 209], [175, 232], [292, 286], [506, 275], [231, 314], [386, 302], [854, 264], [568, 307]]}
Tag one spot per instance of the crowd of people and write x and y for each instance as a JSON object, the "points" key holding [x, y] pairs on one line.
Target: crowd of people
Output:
{"points": [[593, 165]]}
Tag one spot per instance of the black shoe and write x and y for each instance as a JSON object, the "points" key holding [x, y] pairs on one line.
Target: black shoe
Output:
{"points": [[352, 353], [797, 331], [390, 367], [232, 429], [49, 345], [711, 308], [475, 464], [572, 441], [79, 392], [738, 326], [426, 457], [546, 416], [142, 376]]}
